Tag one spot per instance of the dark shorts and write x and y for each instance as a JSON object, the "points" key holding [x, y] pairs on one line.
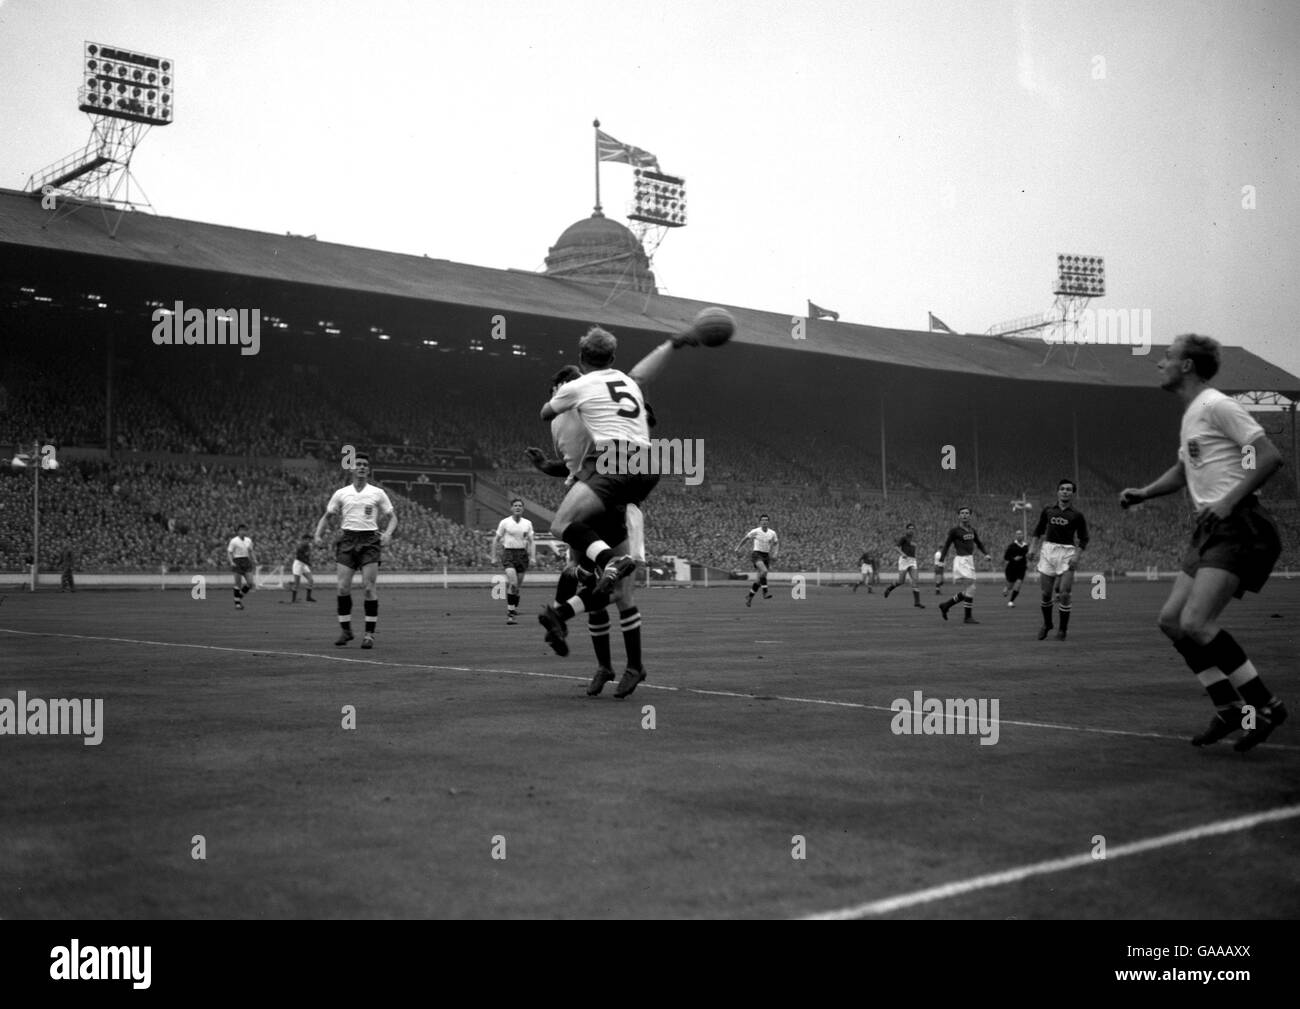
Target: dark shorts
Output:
{"points": [[243, 565], [615, 489], [357, 549], [1016, 572], [1246, 543], [758, 555], [515, 557], [938, 572]]}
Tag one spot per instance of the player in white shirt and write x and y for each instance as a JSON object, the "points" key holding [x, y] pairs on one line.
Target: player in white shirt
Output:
{"points": [[515, 535], [239, 551], [360, 506], [612, 407], [765, 547], [624, 527], [1223, 458]]}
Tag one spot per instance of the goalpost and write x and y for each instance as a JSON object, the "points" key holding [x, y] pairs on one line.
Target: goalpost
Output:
{"points": [[265, 577]]}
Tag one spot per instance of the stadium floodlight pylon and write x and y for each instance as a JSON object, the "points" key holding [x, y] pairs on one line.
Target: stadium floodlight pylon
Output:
{"points": [[125, 93], [1079, 279]]}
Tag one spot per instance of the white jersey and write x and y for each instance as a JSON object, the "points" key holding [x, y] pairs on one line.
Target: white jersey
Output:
{"points": [[572, 440], [764, 539], [609, 403], [1215, 428], [938, 558], [360, 509], [514, 533], [239, 547]]}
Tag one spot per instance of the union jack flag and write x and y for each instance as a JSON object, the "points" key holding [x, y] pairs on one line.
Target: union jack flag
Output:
{"points": [[609, 149]]}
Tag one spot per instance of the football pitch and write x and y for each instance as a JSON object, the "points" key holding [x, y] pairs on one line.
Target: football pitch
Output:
{"points": [[755, 774]]}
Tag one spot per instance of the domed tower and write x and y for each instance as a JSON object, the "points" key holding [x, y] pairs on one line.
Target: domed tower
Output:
{"points": [[601, 251]]}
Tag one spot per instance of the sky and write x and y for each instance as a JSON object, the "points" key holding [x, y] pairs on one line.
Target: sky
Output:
{"points": [[883, 159]]}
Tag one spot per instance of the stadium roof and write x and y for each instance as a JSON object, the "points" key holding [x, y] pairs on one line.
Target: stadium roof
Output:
{"points": [[153, 241]]}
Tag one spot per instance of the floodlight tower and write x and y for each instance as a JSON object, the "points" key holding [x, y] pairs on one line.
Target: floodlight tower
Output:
{"points": [[1079, 279], [124, 93], [658, 203]]}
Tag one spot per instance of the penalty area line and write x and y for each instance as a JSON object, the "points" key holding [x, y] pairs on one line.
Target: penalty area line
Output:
{"points": [[961, 887]]}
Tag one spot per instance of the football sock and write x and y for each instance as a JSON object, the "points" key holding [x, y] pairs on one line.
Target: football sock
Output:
{"points": [[598, 625], [1222, 694], [889, 589], [1065, 617], [1196, 656], [630, 621], [237, 594], [1224, 651], [345, 612], [512, 602], [1047, 614], [916, 596], [586, 543], [372, 614], [1014, 593]]}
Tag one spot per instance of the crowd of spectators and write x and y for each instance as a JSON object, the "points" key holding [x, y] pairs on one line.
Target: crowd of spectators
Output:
{"points": [[816, 475]]}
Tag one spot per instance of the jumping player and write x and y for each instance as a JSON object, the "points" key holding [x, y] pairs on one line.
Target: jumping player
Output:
{"points": [[612, 406], [360, 505], [766, 542], [963, 539], [623, 527], [1014, 556], [515, 533], [1063, 525], [1223, 458], [239, 551], [907, 566]]}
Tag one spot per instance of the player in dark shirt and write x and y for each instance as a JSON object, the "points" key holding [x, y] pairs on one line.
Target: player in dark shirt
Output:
{"points": [[868, 567], [907, 566], [1014, 555], [1062, 525], [302, 568], [963, 539]]}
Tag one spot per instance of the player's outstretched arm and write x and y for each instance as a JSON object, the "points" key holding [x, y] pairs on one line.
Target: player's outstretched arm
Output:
{"points": [[1173, 479], [551, 467], [321, 526], [648, 368]]}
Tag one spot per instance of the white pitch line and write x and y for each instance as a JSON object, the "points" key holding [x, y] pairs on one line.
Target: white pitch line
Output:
{"points": [[961, 887], [739, 695]]}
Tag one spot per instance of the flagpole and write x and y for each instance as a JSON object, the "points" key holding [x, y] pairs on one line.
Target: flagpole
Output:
{"points": [[596, 123]]}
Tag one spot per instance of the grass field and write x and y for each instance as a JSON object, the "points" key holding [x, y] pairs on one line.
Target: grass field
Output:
{"points": [[769, 722]]}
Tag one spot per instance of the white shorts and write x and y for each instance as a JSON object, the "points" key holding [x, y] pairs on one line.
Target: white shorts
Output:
{"points": [[634, 522], [1055, 559], [866, 569], [299, 568], [904, 563], [963, 567]]}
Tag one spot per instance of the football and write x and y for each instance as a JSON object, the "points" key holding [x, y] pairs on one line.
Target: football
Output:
{"points": [[714, 326]]}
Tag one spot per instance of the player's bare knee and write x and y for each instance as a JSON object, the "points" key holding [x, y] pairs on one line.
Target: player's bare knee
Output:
{"points": [[1064, 599]]}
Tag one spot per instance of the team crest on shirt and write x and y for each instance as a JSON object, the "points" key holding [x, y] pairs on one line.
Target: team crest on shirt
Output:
{"points": [[370, 510]]}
